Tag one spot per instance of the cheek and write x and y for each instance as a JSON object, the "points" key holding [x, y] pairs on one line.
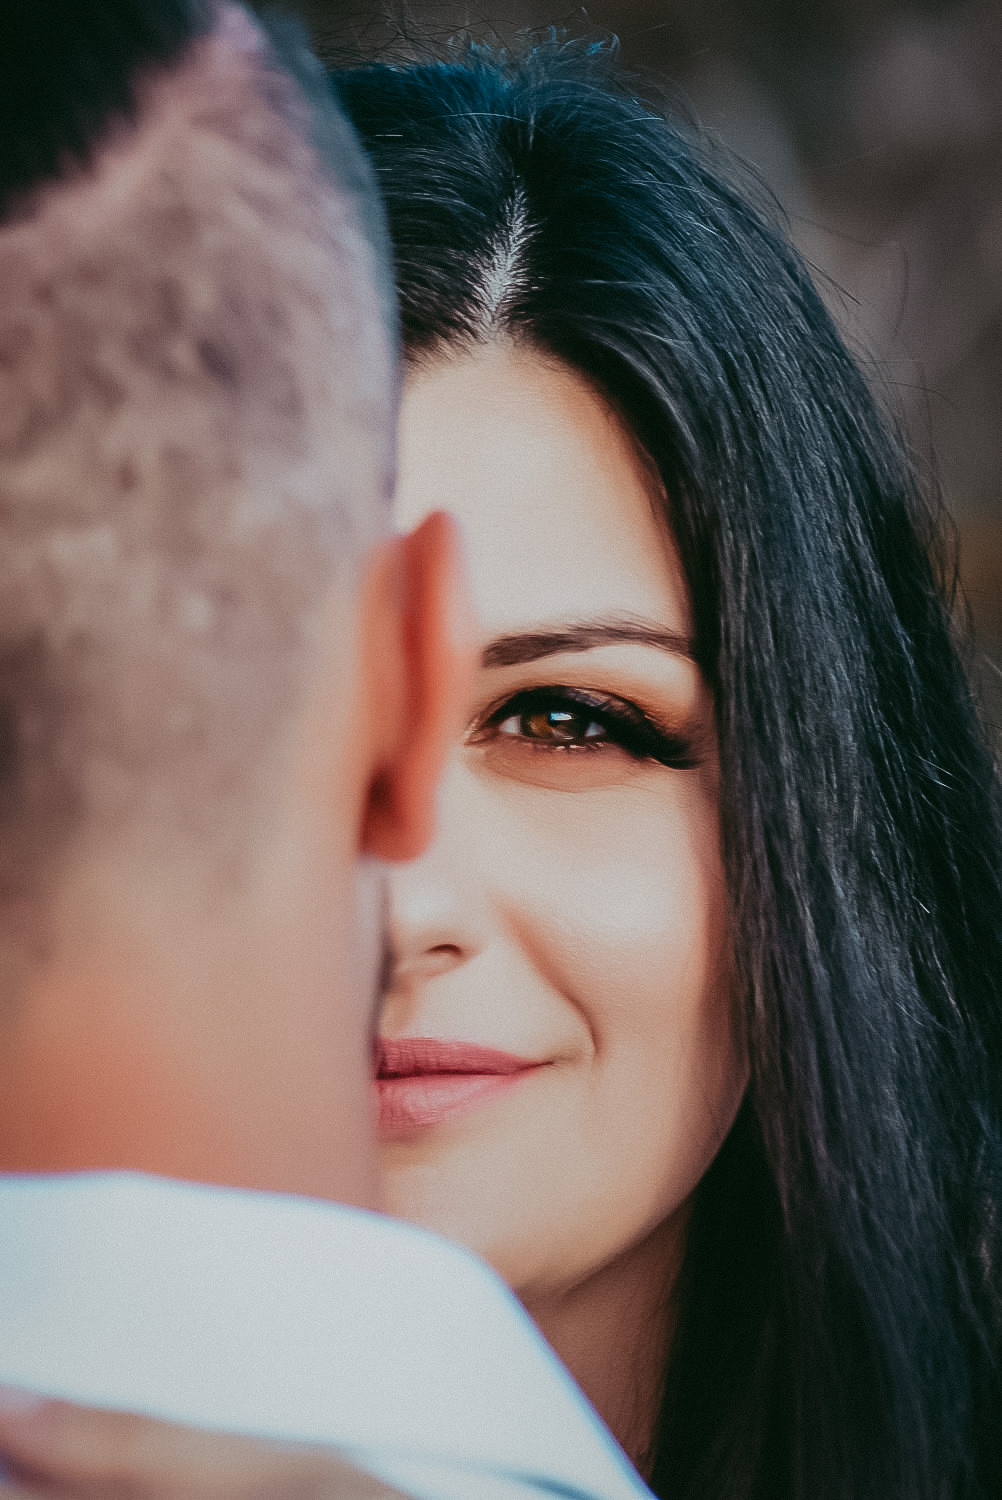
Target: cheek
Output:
{"points": [[617, 899]]}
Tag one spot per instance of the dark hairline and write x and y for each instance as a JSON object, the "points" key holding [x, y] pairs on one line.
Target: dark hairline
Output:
{"points": [[861, 814]]}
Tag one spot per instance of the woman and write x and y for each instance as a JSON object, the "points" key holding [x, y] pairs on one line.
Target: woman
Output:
{"points": [[695, 1030]]}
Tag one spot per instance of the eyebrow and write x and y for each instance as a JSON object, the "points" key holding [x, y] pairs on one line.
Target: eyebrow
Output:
{"points": [[530, 645]]}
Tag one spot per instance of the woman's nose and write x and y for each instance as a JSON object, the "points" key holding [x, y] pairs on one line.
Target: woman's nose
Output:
{"points": [[437, 920]]}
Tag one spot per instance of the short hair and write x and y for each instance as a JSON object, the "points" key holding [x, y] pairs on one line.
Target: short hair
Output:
{"points": [[197, 393], [840, 1308]]}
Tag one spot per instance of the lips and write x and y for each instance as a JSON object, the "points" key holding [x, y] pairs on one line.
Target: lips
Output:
{"points": [[424, 1080]]}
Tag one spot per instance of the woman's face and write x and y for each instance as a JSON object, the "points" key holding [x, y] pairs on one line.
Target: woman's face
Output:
{"points": [[571, 914]]}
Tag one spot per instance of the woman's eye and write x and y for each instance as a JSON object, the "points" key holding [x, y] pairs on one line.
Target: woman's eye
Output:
{"points": [[553, 726], [571, 723]]}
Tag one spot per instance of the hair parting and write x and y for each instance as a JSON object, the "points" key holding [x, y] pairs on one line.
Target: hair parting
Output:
{"points": [[841, 1315]]}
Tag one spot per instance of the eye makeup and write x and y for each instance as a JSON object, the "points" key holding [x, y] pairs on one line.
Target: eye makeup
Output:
{"points": [[558, 719]]}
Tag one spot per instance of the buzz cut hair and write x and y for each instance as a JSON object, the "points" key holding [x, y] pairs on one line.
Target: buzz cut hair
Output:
{"points": [[197, 397]]}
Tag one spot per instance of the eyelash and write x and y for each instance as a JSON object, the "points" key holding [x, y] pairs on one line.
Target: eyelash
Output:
{"points": [[624, 724]]}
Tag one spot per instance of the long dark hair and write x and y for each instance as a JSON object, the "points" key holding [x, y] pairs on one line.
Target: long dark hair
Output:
{"points": [[840, 1302]]}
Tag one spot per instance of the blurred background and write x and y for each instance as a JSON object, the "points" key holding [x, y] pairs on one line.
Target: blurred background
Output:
{"points": [[878, 126]]}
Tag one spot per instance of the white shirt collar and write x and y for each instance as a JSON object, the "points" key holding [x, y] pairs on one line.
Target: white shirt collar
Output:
{"points": [[295, 1319]]}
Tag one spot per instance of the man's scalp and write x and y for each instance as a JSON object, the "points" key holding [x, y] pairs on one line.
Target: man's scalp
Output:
{"points": [[67, 69], [196, 401]]}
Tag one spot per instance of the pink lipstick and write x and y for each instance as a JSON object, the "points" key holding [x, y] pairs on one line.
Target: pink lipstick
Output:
{"points": [[423, 1080]]}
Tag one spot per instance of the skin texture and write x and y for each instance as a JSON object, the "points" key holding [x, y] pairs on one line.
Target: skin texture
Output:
{"points": [[226, 694], [227, 689], [571, 909], [57, 1449], [182, 466]]}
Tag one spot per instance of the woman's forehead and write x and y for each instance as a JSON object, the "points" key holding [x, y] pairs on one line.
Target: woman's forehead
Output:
{"points": [[557, 503]]}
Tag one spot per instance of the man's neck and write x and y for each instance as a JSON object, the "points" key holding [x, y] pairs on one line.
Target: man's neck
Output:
{"points": [[169, 1042]]}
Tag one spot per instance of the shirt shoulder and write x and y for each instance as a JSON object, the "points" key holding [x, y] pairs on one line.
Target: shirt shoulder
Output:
{"points": [[289, 1318]]}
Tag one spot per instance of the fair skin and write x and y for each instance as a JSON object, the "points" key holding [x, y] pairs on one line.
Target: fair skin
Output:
{"points": [[285, 1008], [189, 974], [74, 1453], [188, 984], [223, 1033], [571, 910]]}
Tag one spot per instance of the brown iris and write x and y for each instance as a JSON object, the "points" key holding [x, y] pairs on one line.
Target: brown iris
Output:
{"points": [[558, 726]]}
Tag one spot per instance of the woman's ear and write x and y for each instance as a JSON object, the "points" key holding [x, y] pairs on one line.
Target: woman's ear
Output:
{"points": [[419, 626]]}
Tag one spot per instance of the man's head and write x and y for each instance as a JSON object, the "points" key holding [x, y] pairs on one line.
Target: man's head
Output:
{"points": [[221, 683]]}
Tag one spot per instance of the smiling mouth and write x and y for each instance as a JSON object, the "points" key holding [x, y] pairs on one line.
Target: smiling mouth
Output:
{"points": [[421, 1081]]}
